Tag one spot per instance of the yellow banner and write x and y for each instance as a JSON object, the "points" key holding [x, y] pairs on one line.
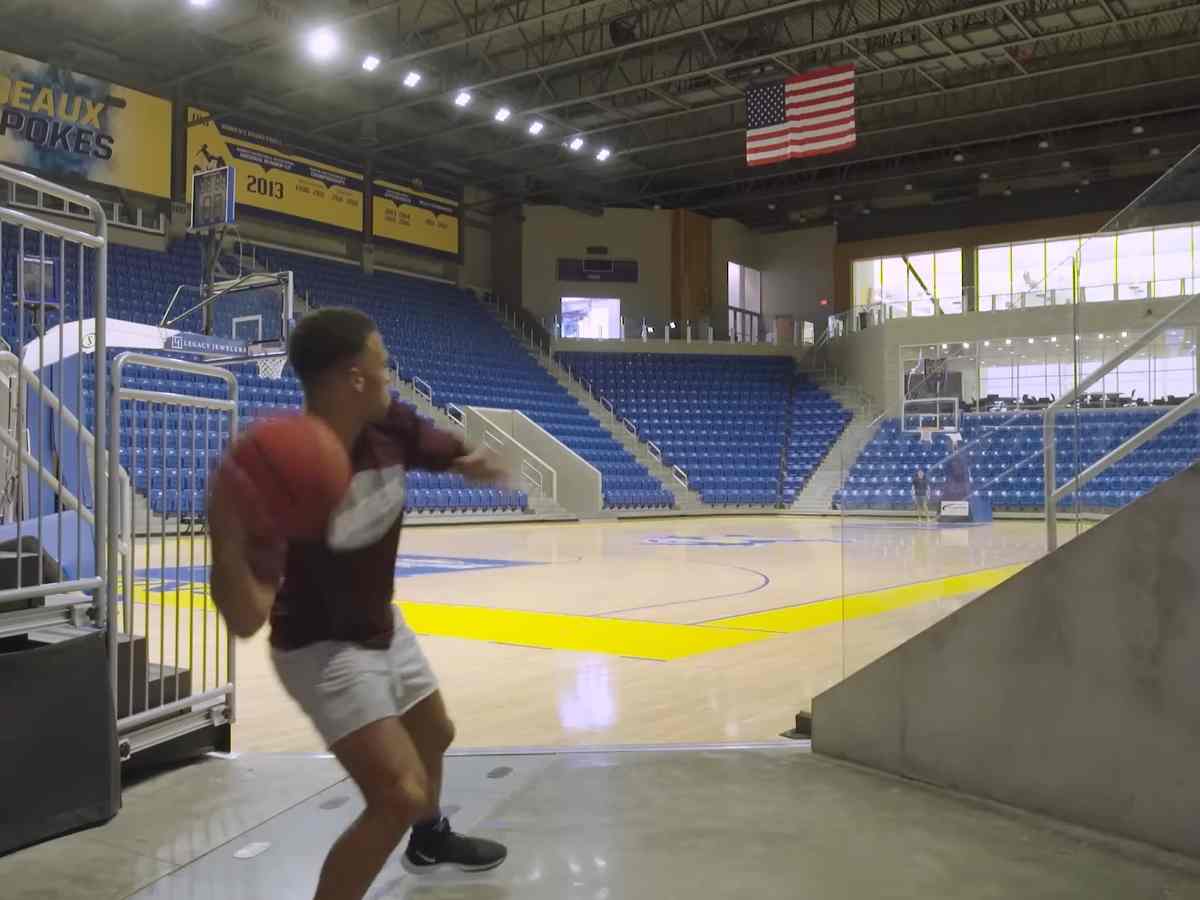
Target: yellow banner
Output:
{"points": [[65, 125], [271, 178], [412, 216]]}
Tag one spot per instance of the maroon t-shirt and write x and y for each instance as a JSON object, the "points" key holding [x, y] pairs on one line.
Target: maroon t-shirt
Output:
{"points": [[341, 588]]}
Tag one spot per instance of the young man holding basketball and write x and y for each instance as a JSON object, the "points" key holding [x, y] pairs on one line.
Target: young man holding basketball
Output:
{"points": [[342, 650]]}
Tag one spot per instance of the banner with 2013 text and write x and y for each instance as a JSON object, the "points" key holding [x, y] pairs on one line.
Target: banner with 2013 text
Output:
{"points": [[271, 177]]}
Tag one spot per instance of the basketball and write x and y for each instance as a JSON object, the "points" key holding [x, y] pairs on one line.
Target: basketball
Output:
{"points": [[300, 470]]}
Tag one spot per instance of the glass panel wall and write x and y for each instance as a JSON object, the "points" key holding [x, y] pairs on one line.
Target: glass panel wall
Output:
{"points": [[911, 285], [1135, 264]]}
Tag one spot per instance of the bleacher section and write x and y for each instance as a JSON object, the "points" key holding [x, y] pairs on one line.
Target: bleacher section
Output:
{"points": [[165, 450], [817, 422], [996, 442], [444, 336], [723, 420], [140, 282]]}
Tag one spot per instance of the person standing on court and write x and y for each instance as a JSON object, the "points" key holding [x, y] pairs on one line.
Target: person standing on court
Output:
{"points": [[920, 493], [342, 650]]}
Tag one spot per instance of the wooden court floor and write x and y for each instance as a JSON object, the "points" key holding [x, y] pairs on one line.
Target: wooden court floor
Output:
{"points": [[643, 632]]}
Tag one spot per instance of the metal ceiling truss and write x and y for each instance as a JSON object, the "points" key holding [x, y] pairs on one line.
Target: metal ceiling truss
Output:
{"points": [[898, 84]]}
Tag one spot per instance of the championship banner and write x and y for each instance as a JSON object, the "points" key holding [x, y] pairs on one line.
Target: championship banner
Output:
{"points": [[412, 215], [64, 125], [273, 179]]}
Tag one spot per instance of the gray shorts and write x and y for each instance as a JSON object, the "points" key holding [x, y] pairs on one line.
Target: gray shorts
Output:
{"points": [[343, 686]]}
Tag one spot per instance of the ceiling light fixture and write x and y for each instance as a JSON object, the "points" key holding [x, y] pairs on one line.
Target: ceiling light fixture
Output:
{"points": [[502, 114], [412, 79], [536, 127], [576, 144], [1043, 144], [370, 62], [1138, 129], [602, 154], [462, 98], [322, 43]]}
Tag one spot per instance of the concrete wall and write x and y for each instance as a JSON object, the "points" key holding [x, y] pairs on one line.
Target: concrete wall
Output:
{"points": [[579, 483], [551, 232], [1069, 690], [486, 427], [508, 229], [870, 358], [797, 269]]}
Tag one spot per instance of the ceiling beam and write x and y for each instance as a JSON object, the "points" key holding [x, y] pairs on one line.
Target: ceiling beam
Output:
{"points": [[606, 52], [1011, 78], [289, 37]]}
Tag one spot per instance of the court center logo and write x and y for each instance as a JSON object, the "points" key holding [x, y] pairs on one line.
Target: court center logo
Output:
{"points": [[731, 540]]}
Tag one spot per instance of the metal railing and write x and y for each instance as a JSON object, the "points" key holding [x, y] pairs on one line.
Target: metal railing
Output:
{"points": [[455, 414], [423, 389], [1053, 493], [532, 476], [187, 683], [32, 454]]}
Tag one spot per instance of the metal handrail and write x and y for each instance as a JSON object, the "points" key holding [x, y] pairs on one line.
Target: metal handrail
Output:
{"points": [[455, 414], [427, 393], [1052, 494], [533, 476], [655, 450], [99, 243], [630, 426], [680, 475]]}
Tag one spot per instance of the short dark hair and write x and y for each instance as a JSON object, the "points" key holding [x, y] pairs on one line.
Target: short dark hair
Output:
{"points": [[324, 338]]}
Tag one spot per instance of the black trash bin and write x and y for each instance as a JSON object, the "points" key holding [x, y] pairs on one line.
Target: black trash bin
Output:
{"points": [[58, 741]]}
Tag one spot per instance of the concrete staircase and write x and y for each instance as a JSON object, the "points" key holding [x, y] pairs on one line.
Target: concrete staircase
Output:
{"points": [[816, 498], [686, 500]]}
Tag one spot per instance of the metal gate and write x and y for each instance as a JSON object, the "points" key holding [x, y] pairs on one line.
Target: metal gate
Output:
{"points": [[53, 309], [170, 422]]}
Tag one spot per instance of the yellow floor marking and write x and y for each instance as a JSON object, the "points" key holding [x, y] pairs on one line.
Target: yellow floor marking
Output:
{"points": [[617, 637], [628, 637], [860, 606]]}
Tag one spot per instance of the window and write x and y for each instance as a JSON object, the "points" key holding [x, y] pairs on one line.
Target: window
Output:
{"points": [[1029, 274], [868, 275], [1098, 268], [1173, 270], [994, 277], [591, 318], [1060, 270], [1135, 265], [947, 280], [745, 302]]}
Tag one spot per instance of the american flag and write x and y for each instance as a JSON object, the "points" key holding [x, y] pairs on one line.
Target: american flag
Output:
{"points": [[807, 115]]}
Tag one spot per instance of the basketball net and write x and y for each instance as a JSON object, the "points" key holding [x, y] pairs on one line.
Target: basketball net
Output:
{"points": [[271, 366]]}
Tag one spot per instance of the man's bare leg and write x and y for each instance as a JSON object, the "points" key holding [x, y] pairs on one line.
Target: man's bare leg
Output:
{"points": [[432, 732], [385, 764], [433, 843]]}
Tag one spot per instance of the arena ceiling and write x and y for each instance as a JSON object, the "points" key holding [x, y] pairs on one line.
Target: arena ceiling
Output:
{"points": [[960, 102]]}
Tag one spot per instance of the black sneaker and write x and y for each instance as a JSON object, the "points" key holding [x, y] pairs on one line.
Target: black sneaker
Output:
{"points": [[430, 849]]}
